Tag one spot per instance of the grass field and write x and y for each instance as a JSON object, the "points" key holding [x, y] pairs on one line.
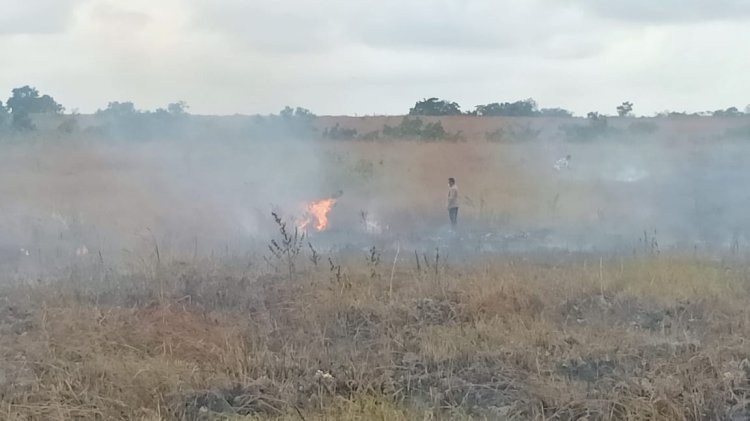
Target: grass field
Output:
{"points": [[633, 339], [177, 311]]}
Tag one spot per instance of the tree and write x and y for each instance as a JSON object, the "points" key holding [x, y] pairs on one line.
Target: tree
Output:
{"points": [[625, 110], [178, 108], [555, 112], [729, 112], [523, 108], [3, 115], [597, 121], [118, 109], [435, 107], [22, 122], [289, 113], [26, 100], [494, 109]]}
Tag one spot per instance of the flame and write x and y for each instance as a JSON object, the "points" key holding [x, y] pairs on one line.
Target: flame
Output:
{"points": [[317, 212]]}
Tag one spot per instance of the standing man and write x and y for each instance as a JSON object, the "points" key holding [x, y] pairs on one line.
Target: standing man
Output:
{"points": [[453, 201], [562, 163]]}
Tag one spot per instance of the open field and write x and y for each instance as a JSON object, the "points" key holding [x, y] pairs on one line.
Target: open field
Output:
{"points": [[626, 339], [138, 282]]}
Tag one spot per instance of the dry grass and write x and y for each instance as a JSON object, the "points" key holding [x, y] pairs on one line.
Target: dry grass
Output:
{"points": [[657, 338], [638, 339]]}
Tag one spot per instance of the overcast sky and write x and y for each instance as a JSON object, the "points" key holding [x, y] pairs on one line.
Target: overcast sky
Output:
{"points": [[379, 56]]}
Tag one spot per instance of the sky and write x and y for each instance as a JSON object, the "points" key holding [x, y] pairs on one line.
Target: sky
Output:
{"points": [[369, 57]]}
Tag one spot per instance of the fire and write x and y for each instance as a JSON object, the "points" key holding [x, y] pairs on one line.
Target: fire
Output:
{"points": [[317, 212]]}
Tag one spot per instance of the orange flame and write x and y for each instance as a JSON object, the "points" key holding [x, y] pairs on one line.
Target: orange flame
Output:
{"points": [[317, 212]]}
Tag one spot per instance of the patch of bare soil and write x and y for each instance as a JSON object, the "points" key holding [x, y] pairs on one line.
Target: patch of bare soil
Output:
{"points": [[484, 387], [261, 397]]}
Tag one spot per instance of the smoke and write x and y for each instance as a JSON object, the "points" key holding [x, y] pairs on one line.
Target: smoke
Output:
{"points": [[213, 191], [116, 198]]}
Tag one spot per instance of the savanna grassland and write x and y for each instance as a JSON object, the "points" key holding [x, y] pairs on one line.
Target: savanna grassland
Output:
{"points": [[148, 280], [635, 338]]}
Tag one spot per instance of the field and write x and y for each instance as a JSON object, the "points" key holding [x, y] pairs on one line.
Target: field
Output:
{"points": [[636, 339], [149, 281]]}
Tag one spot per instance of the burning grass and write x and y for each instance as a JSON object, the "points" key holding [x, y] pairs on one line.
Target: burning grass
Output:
{"points": [[642, 339], [317, 212]]}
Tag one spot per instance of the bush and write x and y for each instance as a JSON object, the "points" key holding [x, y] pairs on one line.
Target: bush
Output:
{"points": [[121, 120], [370, 136], [409, 128], [496, 136], [514, 134], [597, 126], [415, 128], [337, 133], [289, 123], [68, 126], [434, 131]]}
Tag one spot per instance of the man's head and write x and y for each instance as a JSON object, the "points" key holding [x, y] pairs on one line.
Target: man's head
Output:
{"points": [[451, 181]]}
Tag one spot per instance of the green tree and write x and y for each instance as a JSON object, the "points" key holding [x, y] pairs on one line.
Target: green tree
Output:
{"points": [[27, 100], [729, 112], [625, 109], [596, 120], [523, 108], [178, 108], [555, 112], [22, 122], [289, 113], [118, 109], [435, 107]]}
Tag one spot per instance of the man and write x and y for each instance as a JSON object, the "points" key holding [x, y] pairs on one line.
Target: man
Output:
{"points": [[562, 163], [453, 201]]}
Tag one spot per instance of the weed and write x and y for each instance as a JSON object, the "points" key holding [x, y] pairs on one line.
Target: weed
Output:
{"points": [[373, 261], [288, 247], [314, 256]]}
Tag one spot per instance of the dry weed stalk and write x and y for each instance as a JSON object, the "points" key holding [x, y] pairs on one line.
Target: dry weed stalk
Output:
{"points": [[289, 247]]}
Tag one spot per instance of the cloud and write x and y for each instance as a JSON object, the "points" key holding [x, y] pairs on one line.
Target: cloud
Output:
{"points": [[667, 11], [376, 56], [289, 26], [35, 16]]}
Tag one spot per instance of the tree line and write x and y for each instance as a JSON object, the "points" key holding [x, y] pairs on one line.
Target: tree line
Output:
{"points": [[27, 101], [522, 108], [529, 108]]}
